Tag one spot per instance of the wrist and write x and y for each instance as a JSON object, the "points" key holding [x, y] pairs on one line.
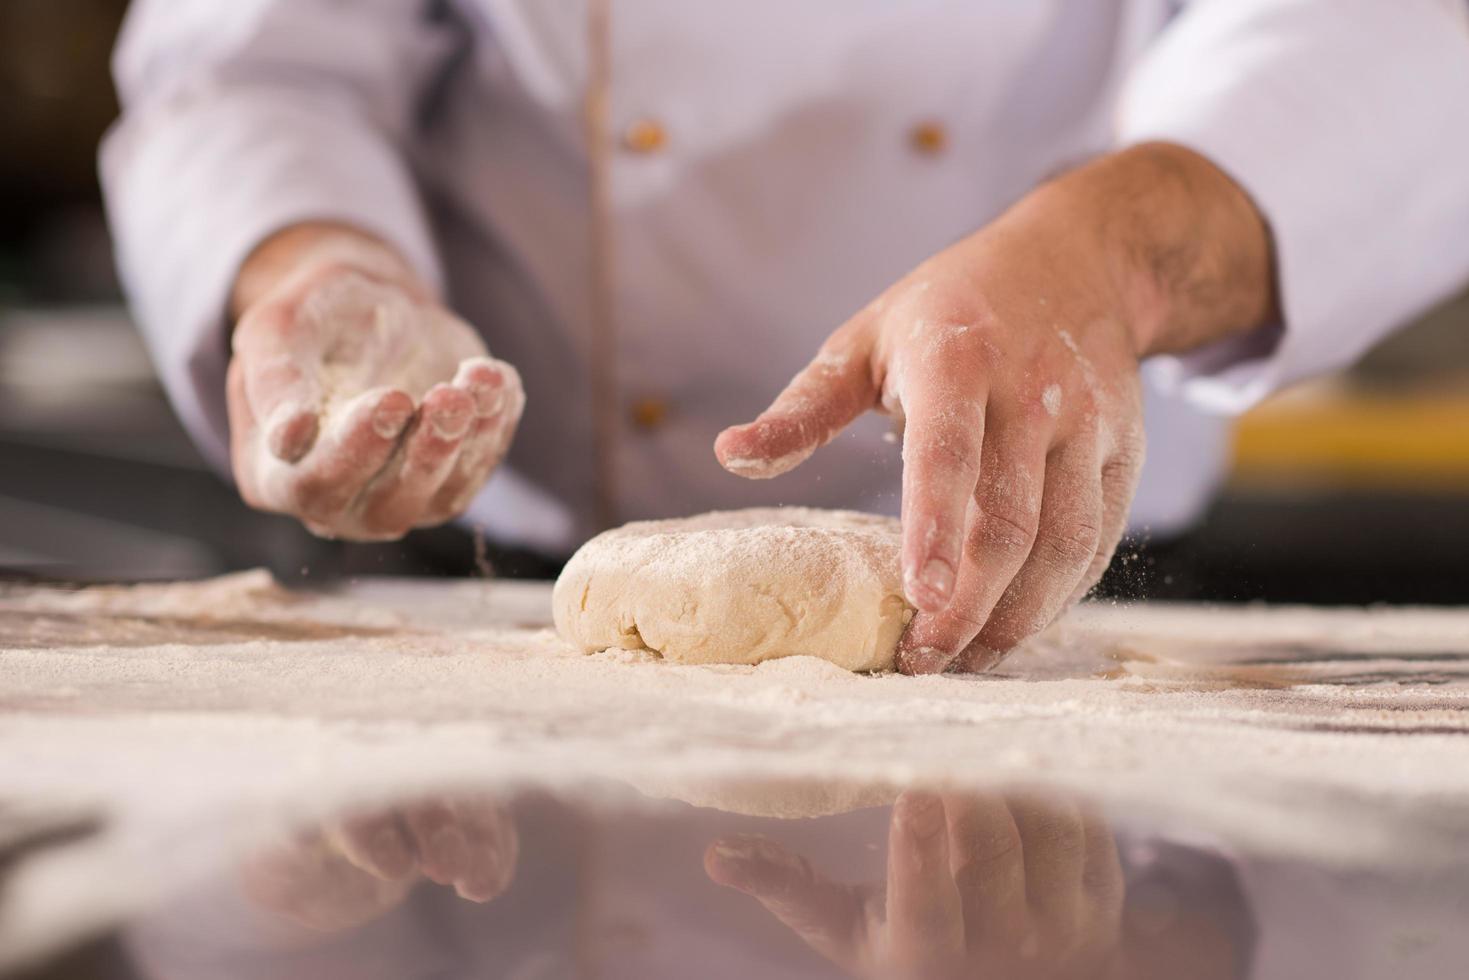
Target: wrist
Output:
{"points": [[300, 248], [1185, 253]]}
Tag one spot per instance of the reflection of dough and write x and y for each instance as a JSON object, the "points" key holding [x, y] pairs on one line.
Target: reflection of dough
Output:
{"points": [[740, 587], [783, 799]]}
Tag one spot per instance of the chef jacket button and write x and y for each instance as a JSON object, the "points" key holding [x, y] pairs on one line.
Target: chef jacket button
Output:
{"points": [[644, 136], [648, 413], [929, 138]]}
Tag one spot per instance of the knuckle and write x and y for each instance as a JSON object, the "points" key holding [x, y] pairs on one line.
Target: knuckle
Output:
{"points": [[1008, 527], [950, 444], [942, 453], [1067, 543], [1031, 411], [1122, 470]]}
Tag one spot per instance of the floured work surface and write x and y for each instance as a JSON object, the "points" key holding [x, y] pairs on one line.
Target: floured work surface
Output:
{"points": [[136, 717]]}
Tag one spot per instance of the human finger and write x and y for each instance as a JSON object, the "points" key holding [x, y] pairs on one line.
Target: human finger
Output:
{"points": [[494, 850], [280, 385], [321, 488], [924, 912], [1067, 540], [242, 437], [1120, 475], [827, 916], [1054, 842], [988, 865], [398, 498], [499, 400], [376, 843], [442, 847], [820, 401], [310, 882], [943, 436], [1001, 530], [1104, 887]]}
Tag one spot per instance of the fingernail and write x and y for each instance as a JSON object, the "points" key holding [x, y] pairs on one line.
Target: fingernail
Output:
{"points": [[764, 468], [488, 399], [923, 660], [938, 577], [734, 850], [930, 588], [291, 433], [735, 862], [388, 421], [474, 891], [449, 425]]}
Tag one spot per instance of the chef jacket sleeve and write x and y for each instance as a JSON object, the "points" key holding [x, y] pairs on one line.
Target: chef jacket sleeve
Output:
{"points": [[240, 119], [1347, 122]]}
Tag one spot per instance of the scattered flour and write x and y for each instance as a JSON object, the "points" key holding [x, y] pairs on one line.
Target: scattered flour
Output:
{"points": [[1339, 736], [1051, 400]]}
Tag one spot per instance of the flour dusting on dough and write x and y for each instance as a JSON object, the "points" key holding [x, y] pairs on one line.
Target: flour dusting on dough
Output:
{"points": [[741, 587]]}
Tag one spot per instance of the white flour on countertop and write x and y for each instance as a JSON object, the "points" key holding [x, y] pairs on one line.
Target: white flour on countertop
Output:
{"points": [[198, 716]]}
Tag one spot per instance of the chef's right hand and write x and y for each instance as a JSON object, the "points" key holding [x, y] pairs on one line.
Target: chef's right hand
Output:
{"points": [[357, 403]]}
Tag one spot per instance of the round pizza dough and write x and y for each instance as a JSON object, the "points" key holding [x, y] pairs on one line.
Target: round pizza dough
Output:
{"points": [[740, 587]]}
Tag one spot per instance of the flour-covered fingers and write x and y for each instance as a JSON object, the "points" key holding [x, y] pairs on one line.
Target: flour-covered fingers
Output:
{"points": [[275, 358], [322, 487], [489, 382], [943, 436], [243, 435], [499, 401], [399, 497], [828, 916], [1120, 474], [924, 909], [1001, 529], [830, 392], [1067, 540]]}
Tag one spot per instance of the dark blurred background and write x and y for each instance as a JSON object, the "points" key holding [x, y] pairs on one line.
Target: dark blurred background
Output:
{"points": [[1354, 489]]}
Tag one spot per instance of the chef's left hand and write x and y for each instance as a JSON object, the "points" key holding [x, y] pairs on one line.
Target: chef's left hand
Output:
{"points": [[351, 871], [1011, 358]]}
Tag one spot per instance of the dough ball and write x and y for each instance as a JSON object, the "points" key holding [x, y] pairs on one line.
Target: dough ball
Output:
{"points": [[740, 587]]}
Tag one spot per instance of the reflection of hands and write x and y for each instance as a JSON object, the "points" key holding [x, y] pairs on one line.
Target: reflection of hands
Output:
{"points": [[976, 886], [349, 872], [356, 402]]}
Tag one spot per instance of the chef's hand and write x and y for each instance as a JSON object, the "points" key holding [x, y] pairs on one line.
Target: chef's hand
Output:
{"points": [[352, 871], [979, 886], [1011, 358], [357, 403]]}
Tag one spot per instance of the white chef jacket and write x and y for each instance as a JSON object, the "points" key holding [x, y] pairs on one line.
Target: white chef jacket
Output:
{"points": [[758, 171]]}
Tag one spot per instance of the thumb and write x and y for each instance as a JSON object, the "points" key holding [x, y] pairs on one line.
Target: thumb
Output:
{"points": [[280, 385], [823, 399]]}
